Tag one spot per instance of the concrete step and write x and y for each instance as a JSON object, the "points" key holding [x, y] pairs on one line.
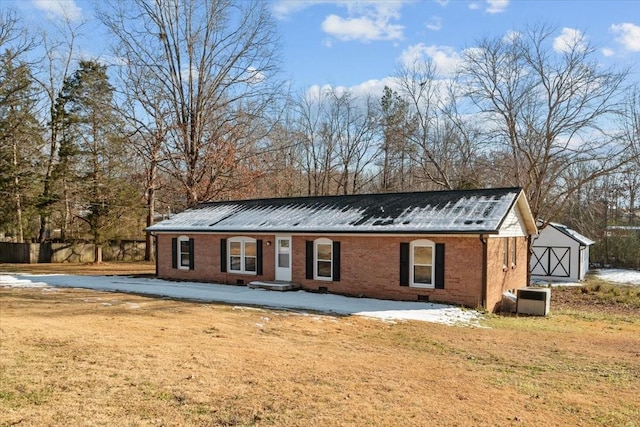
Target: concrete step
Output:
{"points": [[274, 285]]}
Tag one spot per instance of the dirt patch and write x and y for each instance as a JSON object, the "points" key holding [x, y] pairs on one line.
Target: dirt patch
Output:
{"points": [[587, 299], [78, 357]]}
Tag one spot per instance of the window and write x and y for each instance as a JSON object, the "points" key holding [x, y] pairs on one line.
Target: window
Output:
{"points": [[243, 255], [508, 252], [505, 252], [422, 262], [323, 254], [322, 260], [182, 253]]}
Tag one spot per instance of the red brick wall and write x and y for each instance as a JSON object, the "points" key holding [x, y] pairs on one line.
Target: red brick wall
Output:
{"points": [[369, 266], [207, 260], [499, 278]]}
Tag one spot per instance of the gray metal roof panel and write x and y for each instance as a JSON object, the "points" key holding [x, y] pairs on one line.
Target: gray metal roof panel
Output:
{"points": [[464, 211]]}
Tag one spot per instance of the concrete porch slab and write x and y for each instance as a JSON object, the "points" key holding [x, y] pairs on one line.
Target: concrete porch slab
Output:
{"points": [[274, 285]]}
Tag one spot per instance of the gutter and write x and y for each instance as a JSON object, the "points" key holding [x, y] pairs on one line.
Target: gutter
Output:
{"points": [[483, 240]]}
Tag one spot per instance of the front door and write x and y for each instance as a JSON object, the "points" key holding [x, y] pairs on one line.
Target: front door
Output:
{"points": [[283, 258]]}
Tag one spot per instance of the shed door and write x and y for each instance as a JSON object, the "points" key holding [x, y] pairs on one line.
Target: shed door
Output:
{"points": [[283, 258], [551, 261]]}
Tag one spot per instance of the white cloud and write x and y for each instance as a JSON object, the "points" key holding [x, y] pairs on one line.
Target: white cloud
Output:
{"points": [[493, 6], [607, 52], [370, 88], [442, 2], [497, 6], [569, 39], [628, 35], [445, 58], [284, 8], [435, 24], [365, 22], [362, 28], [512, 36], [67, 9]]}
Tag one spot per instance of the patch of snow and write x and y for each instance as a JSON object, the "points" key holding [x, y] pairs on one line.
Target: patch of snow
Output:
{"points": [[241, 295], [556, 284], [13, 282], [628, 277]]}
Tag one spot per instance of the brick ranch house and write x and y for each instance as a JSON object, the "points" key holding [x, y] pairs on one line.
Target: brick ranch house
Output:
{"points": [[462, 247]]}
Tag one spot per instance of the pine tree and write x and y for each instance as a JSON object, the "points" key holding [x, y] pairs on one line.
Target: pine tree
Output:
{"points": [[20, 141], [92, 154]]}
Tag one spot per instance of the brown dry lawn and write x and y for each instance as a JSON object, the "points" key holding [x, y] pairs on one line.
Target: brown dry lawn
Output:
{"points": [[72, 357]]}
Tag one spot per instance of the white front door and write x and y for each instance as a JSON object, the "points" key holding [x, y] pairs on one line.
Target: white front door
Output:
{"points": [[283, 258]]}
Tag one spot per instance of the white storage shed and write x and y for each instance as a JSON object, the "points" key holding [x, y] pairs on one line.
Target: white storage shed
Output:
{"points": [[560, 253]]}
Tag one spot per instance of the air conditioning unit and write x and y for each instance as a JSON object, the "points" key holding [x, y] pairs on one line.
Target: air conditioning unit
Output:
{"points": [[534, 301]]}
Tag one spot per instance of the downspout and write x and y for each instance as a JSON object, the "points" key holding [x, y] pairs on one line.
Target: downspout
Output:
{"points": [[483, 239]]}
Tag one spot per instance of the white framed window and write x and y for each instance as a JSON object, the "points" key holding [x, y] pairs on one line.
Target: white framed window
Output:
{"points": [[422, 261], [505, 252], [184, 248], [242, 255], [513, 252], [323, 259]]}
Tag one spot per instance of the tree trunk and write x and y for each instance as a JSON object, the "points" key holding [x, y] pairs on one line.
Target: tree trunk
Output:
{"points": [[16, 182]]}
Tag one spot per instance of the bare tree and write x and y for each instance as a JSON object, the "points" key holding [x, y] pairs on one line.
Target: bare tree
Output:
{"points": [[549, 110], [424, 95], [355, 124], [316, 135], [52, 73], [210, 66], [15, 39], [440, 141], [631, 136], [147, 116]]}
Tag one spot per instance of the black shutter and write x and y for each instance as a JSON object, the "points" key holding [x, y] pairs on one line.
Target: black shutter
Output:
{"points": [[259, 257], [223, 255], [191, 255], [439, 267], [174, 252], [404, 264], [336, 262], [309, 259]]}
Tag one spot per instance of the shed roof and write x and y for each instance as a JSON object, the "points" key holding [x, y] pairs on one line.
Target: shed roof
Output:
{"points": [[583, 240], [463, 211]]}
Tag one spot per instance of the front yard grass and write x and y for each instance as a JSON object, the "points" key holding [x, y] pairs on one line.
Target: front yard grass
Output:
{"points": [[76, 357]]}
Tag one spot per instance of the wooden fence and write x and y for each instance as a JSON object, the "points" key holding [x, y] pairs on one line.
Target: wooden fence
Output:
{"points": [[33, 253]]}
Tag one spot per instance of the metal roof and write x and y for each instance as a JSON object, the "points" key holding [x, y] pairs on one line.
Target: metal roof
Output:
{"points": [[585, 241], [460, 211]]}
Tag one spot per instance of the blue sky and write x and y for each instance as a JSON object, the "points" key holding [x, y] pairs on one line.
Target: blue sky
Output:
{"points": [[350, 43], [357, 44]]}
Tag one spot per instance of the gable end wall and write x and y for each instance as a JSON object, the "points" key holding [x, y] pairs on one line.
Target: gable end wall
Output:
{"points": [[501, 278]]}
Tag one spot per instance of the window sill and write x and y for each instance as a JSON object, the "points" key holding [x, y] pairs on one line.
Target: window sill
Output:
{"points": [[421, 286], [245, 273], [323, 279]]}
